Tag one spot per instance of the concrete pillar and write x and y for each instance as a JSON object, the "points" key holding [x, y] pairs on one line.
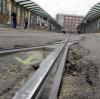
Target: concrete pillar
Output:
{"points": [[9, 6], [22, 17], [25, 13], [29, 17], [18, 15]]}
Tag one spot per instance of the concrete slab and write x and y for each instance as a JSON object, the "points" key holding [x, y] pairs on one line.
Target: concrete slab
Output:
{"points": [[11, 38]]}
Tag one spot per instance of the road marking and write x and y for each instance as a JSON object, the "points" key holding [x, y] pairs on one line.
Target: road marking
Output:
{"points": [[26, 61]]}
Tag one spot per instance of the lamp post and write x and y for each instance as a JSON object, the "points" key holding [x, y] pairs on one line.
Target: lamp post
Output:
{"points": [[85, 22]]}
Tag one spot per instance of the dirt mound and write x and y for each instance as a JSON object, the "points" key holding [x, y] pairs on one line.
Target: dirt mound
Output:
{"points": [[81, 75]]}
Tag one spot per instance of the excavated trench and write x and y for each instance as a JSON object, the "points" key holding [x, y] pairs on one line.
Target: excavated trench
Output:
{"points": [[80, 79]]}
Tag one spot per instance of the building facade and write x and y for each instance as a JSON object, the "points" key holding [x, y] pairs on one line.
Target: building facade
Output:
{"points": [[22, 10], [69, 22], [4, 13], [91, 22]]}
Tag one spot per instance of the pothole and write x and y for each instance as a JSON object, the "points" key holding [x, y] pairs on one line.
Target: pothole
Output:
{"points": [[81, 75]]}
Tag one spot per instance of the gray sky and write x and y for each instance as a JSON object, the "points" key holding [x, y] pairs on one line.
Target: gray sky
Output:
{"points": [[78, 7]]}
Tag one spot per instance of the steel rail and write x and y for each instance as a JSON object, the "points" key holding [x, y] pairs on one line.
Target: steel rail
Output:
{"points": [[59, 74], [15, 50], [9, 51], [35, 86]]}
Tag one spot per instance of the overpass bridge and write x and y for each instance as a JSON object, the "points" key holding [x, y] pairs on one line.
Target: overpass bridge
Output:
{"points": [[37, 16]]}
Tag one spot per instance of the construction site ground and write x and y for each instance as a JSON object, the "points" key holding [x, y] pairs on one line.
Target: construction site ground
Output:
{"points": [[81, 78]]}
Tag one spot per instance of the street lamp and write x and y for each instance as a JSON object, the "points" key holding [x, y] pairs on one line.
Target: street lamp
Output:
{"points": [[85, 22]]}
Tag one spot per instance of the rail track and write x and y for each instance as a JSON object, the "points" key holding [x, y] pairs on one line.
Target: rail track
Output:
{"points": [[45, 83], [27, 48]]}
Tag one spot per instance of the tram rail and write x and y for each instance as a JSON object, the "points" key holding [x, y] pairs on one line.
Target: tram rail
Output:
{"points": [[45, 83], [28, 48]]}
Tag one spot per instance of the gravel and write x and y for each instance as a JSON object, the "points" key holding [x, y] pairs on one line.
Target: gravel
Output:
{"points": [[14, 74]]}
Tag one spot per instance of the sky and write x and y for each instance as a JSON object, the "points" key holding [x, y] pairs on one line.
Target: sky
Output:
{"points": [[76, 7]]}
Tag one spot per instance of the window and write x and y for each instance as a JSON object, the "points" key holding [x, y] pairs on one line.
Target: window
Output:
{"points": [[3, 6], [66, 17], [70, 18]]}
